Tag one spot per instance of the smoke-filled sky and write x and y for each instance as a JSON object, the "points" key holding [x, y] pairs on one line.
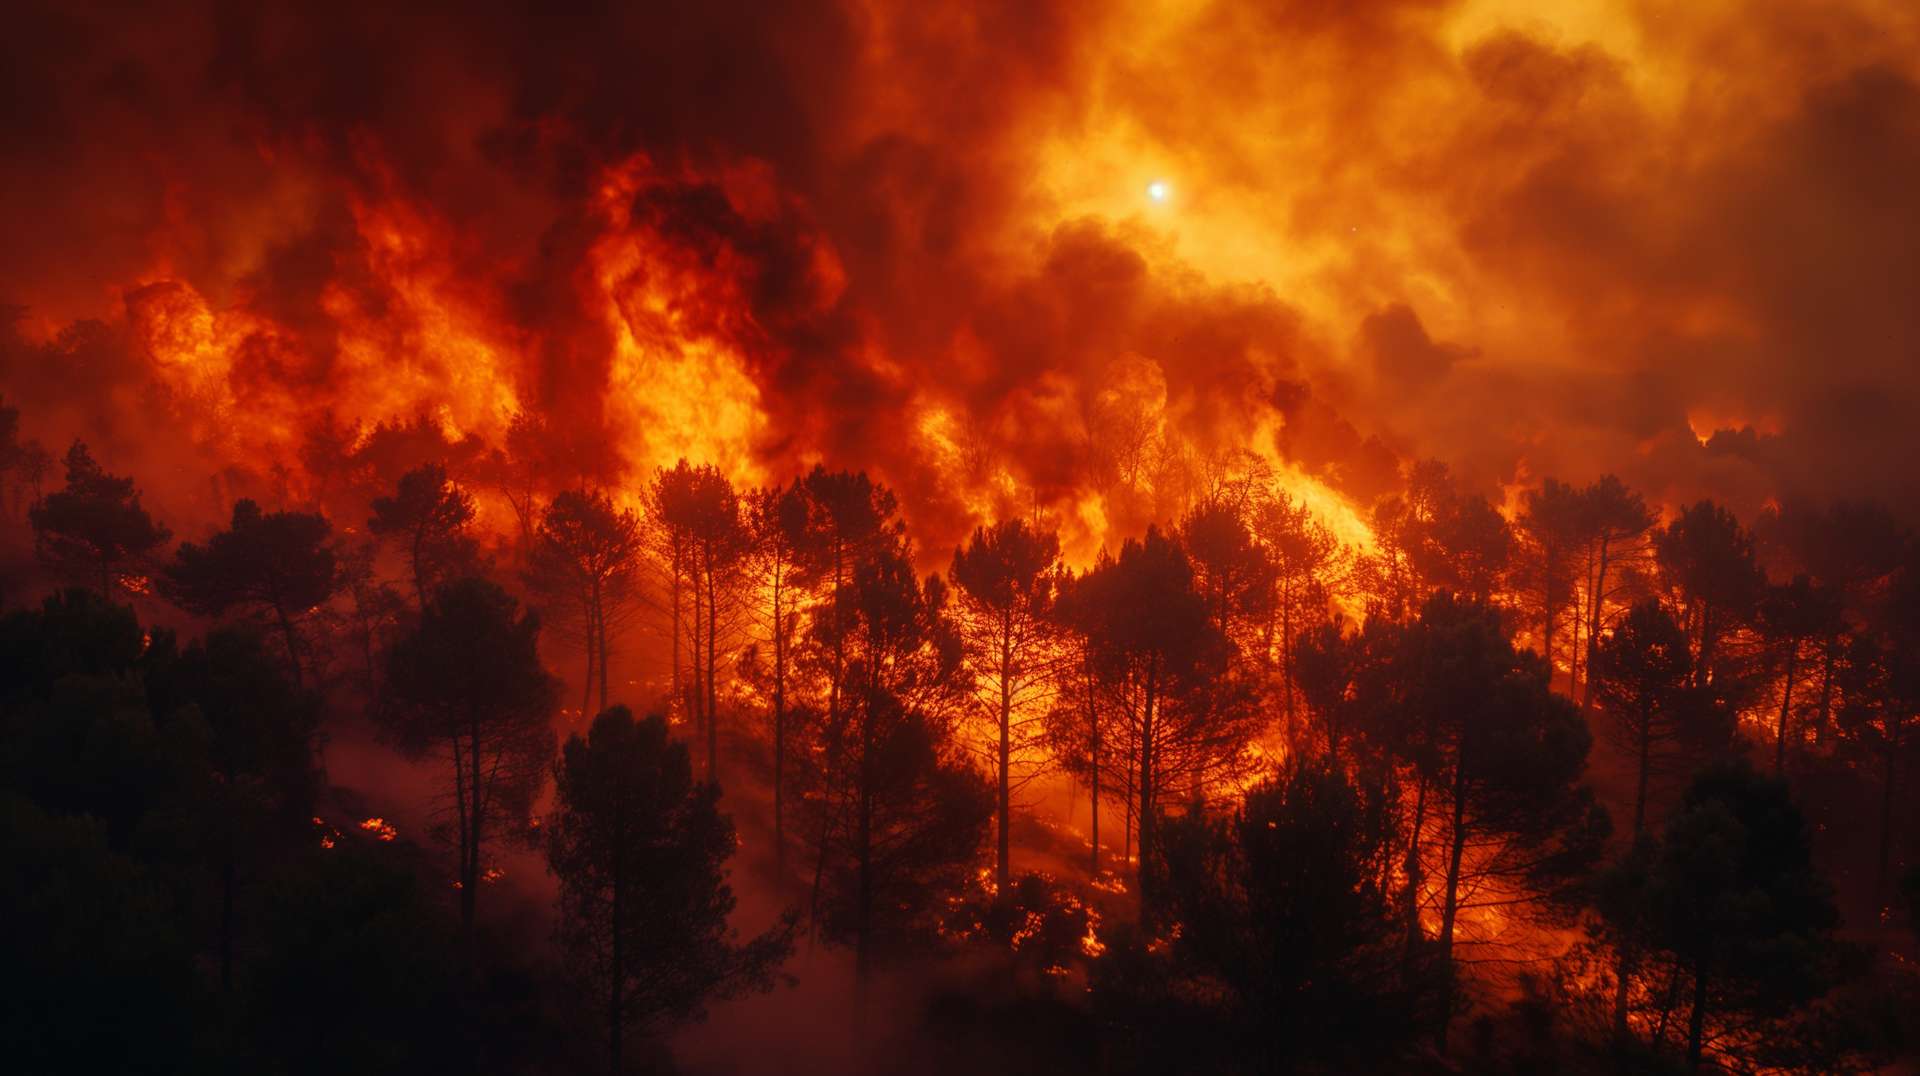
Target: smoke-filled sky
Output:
{"points": [[1680, 242]]}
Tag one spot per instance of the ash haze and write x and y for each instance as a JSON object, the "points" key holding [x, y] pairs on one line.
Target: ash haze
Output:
{"points": [[1085, 488]]}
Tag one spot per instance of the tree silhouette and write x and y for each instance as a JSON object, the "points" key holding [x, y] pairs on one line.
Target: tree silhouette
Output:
{"points": [[429, 518], [355, 926], [1707, 559], [12, 452], [33, 464], [261, 731], [1657, 718], [699, 512], [1185, 721], [1004, 581], [466, 685], [77, 735], [1465, 548], [641, 851], [277, 563], [1304, 566], [776, 520], [1343, 673], [1434, 538], [1879, 682], [1079, 724], [1850, 550], [1501, 758], [901, 817], [1229, 572], [1733, 897], [94, 530], [99, 975], [1290, 903], [1616, 524], [1792, 615], [851, 521], [1643, 673], [585, 558], [1552, 526]]}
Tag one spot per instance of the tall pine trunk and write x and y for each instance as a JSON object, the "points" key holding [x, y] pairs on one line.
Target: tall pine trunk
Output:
{"points": [[779, 727], [713, 708], [1697, 1019], [1143, 874], [1786, 705], [617, 965], [1596, 601], [476, 805], [1450, 907], [1414, 932], [1093, 724], [1002, 863]]}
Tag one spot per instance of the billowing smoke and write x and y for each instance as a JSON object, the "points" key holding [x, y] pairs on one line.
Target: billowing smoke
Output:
{"points": [[1678, 245]]}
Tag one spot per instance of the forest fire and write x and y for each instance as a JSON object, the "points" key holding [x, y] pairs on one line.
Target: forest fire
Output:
{"points": [[871, 537]]}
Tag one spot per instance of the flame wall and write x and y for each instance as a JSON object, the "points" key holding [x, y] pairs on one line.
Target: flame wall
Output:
{"points": [[1675, 241]]}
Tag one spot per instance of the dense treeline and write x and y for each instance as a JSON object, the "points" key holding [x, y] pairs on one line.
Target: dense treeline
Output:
{"points": [[1597, 785]]}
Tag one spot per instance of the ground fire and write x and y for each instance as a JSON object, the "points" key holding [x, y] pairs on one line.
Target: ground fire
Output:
{"points": [[1029, 537]]}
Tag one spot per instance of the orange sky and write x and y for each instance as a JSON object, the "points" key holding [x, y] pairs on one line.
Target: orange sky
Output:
{"points": [[1530, 242]]}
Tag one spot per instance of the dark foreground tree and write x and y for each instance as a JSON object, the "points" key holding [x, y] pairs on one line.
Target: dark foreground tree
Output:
{"points": [[1182, 714], [277, 563], [1658, 719], [902, 815], [257, 781], [1291, 903], [466, 686], [98, 974], [1734, 900], [1497, 759], [94, 531], [641, 852]]}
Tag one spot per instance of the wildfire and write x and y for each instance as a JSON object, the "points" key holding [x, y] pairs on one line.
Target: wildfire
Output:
{"points": [[379, 828]]}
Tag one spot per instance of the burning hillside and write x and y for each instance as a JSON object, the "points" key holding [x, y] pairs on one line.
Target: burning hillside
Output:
{"points": [[1096, 488]]}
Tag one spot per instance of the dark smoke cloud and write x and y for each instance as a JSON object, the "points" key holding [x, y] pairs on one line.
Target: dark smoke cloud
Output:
{"points": [[1527, 250]]}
